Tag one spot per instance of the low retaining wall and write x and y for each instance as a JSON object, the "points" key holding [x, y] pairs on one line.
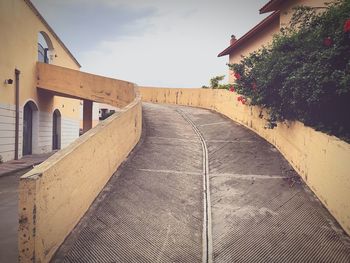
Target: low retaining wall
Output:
{"points": [[55, 195], [322, 161]]}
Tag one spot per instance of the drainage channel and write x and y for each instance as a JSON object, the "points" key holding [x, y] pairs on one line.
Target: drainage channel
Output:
{"points": [[207, 254]]}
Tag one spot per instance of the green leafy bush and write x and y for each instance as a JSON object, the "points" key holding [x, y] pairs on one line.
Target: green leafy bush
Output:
{"points": [[215, 83], [305, 73]]}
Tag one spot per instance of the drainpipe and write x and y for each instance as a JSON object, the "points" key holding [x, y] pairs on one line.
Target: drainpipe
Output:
{"points": [[17, 73]]}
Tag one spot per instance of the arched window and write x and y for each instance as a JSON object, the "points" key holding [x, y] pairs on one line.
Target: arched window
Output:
{"points": [[45, 48]]}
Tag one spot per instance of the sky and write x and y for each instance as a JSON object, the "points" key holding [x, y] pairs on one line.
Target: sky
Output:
{"points": [[163, 43]]}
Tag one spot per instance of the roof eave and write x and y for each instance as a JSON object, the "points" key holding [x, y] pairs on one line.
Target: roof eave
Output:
{"points": [[270, 6], [225, 52], [267, 21]]}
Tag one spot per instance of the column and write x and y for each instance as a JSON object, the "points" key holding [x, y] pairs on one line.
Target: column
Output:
{"points": [[87, 115]]}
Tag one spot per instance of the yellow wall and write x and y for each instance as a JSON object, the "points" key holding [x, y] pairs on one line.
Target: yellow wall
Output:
{"points": [[83, 85], [321, 160], [263, 37], [19, 28], [56, 194]]}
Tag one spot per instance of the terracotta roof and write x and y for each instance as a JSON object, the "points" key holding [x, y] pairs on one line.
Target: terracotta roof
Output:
{"points": [[270, 6], [37, 13], [267, 21]]}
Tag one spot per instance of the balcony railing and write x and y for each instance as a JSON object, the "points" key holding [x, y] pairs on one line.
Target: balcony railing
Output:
{"points": [[42, 54]]}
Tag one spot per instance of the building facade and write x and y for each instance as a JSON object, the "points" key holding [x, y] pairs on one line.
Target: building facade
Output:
{"points": [[262, 34], [32, 121]]}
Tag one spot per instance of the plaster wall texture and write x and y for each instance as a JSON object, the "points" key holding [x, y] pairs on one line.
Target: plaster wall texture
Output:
{"points": [[77, 84], [56, 194], [261, 38], [20, 26], [321, 160]]}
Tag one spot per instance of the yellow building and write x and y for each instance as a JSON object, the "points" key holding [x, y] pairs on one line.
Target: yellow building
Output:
{"points": [[262, 34], [32, 121]]}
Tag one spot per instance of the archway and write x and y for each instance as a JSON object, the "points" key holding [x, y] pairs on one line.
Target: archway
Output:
{"points": [[28, 114], [45, 48], [56, 130]]}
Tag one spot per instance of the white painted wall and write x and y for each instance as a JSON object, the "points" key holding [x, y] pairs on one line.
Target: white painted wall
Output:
{"points": [[69, 131], [42, 132], [7, 131]]}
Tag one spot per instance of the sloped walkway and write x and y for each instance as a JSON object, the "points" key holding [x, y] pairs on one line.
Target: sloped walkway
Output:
{"points": [[25, 162], [152, 210], [10, 172], [9, 217]]}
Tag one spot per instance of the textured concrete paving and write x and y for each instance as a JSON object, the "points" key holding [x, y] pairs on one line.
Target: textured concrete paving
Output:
{"points": [[261, 212], [9, 217], [13, 166], [152, 208], [151, 211]]}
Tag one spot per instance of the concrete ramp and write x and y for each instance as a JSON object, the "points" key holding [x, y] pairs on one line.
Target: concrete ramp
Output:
{"points": [[152, 210]]}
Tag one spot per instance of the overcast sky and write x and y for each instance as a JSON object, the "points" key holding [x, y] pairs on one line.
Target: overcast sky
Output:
{"points": [[172, 43]]}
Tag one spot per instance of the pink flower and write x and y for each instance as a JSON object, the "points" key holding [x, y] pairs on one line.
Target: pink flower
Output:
{"points": [[232, 89], [347, 26], [237, 75], [242, 99], [254, 86], [327, 41]]}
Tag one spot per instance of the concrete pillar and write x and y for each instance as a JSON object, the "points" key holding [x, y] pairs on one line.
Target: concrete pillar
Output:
{"points": [[87, 115]]}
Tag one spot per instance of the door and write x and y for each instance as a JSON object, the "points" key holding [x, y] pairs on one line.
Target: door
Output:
{"points": [[27, 129], [56, 130]]}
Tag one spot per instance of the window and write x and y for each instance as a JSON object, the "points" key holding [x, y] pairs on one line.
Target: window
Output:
{"points": [[42, 54], [45, 48]]}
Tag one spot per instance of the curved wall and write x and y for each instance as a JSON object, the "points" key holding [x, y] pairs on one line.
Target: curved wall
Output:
{"points": [[322, 161], [55, 194]]}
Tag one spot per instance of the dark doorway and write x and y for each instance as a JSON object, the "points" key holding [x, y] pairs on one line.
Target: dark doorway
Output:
{"points": [[56, 130], [27, 128]]}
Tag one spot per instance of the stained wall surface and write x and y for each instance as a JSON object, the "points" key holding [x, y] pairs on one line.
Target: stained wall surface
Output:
{"points": [[56, 194]]}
